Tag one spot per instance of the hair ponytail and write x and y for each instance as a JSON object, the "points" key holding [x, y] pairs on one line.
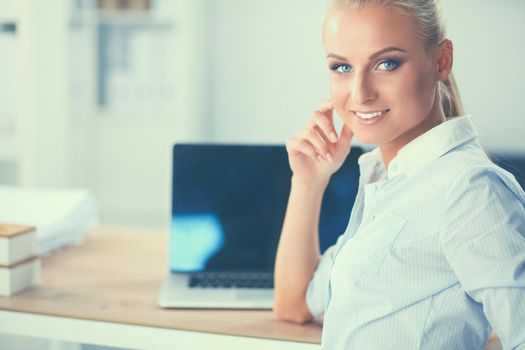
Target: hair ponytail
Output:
{"points": [[450, 99]]}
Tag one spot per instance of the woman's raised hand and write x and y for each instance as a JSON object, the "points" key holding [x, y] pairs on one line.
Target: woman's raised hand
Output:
{"points": [[316, 151]]}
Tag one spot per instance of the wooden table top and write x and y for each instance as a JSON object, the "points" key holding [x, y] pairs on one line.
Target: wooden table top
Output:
{"points": [[116, 275]]}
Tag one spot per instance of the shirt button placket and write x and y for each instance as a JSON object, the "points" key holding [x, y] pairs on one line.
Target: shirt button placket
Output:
{"points": [[373, 191]]}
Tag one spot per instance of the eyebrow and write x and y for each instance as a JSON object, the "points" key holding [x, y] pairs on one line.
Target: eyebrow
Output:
{"points": [[377, 54]]}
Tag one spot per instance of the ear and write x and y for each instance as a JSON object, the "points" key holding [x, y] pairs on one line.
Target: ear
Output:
{"points": [[445, 56]]}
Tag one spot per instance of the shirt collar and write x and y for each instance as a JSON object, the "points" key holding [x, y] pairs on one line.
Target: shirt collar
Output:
{"points": [[431, 145], [425, 148], [371, 166]]}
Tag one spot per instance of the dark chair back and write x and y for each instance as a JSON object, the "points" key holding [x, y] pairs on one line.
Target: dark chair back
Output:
{"points": [[513, 163]]}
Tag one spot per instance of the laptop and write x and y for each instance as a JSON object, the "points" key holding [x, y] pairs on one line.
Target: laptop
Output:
{"points": [[228, 207]]}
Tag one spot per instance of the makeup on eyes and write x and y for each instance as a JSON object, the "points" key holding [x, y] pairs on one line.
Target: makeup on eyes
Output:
{"points": [[347, 68], [335, 67], [394, 61]]}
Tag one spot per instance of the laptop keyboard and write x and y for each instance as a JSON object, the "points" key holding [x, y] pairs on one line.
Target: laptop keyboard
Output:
{"points": [[231, 280]]}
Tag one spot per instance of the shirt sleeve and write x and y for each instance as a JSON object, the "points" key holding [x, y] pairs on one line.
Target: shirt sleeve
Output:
{"points": [[483, 239], [317, 292]]}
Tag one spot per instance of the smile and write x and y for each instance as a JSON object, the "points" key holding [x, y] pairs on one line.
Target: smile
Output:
{"points": [[370, 117]]}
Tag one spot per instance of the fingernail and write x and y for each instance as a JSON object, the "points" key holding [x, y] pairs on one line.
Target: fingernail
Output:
{"points": [[333, 137], [329, 157]]}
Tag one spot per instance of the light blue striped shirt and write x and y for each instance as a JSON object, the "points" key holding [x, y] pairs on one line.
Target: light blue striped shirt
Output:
{"points": [[434, 253]]}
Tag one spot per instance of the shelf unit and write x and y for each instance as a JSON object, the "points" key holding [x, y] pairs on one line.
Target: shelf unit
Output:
{"points": [[8, 48], [123, 74], [34, 133], [67, 135], [138, 88]]}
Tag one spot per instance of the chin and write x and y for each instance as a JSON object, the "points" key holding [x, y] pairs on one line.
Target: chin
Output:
{"points": [[368, 138]]}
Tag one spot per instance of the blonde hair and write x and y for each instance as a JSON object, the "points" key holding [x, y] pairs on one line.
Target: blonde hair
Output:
{"points": [[429, 20]]}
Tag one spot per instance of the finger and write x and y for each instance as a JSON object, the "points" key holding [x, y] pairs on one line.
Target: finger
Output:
{"points": [[321, 134], [314, 137], [346, 136], [326, 105], [300, 145], [325, 122]]}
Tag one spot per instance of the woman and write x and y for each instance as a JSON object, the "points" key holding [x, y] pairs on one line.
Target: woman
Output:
{"points": [[434, 253]]}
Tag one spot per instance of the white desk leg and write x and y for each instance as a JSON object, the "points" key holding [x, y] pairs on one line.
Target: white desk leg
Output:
{"points": [[16, 342], [62, 345]]}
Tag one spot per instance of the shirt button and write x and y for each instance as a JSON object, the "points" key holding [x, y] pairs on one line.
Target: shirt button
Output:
{"points": [[373, 188]]}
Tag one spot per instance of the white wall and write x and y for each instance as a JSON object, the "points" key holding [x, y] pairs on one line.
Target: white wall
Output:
{"points": [[489, 48], [269, 71]]}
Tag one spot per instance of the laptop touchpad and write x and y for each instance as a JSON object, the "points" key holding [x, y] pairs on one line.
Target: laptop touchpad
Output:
{"points": [[253, 294]]}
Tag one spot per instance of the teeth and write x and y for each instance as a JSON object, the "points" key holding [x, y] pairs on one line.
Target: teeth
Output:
{"points": [[369, 115]]}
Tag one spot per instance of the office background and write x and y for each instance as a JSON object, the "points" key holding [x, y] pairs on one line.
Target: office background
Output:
{"points": [[94, 99]]}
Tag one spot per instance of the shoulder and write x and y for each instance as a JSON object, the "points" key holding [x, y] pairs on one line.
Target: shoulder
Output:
{"points": [[482, 203], [468, 169]]}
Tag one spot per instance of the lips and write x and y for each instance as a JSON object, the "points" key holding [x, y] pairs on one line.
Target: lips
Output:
{"points": [[370, 117]]}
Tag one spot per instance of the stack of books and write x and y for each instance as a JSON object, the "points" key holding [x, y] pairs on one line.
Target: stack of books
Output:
{"points": [[19, 265], [62, 217]]}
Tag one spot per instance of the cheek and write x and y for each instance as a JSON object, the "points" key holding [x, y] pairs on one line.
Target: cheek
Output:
{"points": [[416, 91], [426, 92]]}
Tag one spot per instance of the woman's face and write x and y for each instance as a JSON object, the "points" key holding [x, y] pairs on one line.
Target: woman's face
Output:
{"points": [[382, 80]]}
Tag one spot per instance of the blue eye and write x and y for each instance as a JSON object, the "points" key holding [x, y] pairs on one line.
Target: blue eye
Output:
{"points": [[388, 65], [341, 68]]}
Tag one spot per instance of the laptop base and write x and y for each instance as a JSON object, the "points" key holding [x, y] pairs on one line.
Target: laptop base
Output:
{"points": [[175, 293]]}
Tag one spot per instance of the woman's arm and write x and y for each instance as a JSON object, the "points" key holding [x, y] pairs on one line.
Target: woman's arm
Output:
{"points": [[298, 252], [315, 153], [483, 238]]}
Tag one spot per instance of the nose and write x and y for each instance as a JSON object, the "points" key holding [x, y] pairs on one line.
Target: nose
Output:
{"points": [[362, 90]]}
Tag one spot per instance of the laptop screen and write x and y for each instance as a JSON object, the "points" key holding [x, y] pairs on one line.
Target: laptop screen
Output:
{"points": [[229, 201]]}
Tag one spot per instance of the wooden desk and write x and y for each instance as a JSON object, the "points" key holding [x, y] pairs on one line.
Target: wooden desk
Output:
{"points": [[104, 292]]}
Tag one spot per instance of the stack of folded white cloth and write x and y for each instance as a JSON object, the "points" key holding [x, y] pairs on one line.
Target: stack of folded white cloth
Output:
{"points": [[61, 216]]}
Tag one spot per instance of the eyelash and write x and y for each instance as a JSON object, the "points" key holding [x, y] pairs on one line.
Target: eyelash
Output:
{"points": [[335, 67]]}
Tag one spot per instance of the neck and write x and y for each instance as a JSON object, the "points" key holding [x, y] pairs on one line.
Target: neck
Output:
{"points": [[390, 150]]}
